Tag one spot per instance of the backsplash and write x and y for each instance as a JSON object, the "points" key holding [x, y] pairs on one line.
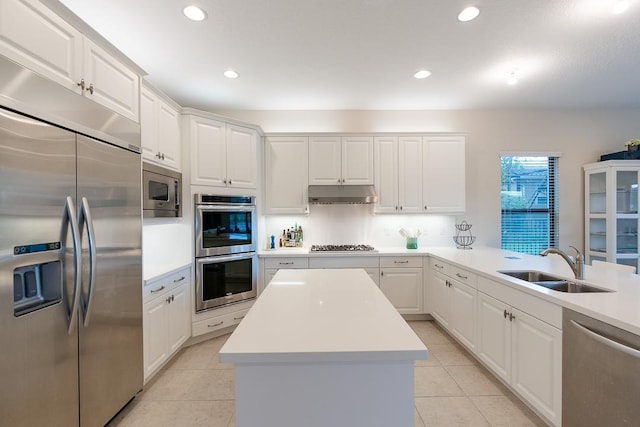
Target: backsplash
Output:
{"points": [[355, 224]]}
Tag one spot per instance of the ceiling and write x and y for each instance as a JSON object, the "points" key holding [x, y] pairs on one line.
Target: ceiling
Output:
{"points": [[362, 54]]}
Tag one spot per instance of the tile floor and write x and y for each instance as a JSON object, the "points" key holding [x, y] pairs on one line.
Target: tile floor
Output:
{"points": [[451, 389]]}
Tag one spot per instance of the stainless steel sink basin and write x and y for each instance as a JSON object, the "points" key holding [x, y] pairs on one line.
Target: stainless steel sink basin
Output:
{"points": [[552, 282], [532, 276]]}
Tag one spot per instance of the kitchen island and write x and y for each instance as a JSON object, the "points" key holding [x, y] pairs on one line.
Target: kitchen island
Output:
{"points": [[323, 348]]}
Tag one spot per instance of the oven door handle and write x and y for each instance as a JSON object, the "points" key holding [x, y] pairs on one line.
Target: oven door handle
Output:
{"points": [[225, 258]]}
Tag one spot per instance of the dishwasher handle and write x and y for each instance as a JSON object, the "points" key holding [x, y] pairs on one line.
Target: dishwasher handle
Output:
{"points": [[607, 341]]}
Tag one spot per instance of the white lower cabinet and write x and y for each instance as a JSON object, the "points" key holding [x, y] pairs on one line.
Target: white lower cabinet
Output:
{"points": [[401, 283], [166, 318], [453, 301], [524, 352]]}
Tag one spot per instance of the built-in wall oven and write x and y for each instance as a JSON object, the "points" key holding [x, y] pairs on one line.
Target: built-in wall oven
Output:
{"points": [[225, 248]]}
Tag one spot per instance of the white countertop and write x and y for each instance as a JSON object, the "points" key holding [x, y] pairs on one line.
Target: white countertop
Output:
{"points": [[620, 308], [322, 316], [156, 271]]}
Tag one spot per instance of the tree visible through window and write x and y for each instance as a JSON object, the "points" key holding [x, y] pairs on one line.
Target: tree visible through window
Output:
{"points": [[529, 205]]}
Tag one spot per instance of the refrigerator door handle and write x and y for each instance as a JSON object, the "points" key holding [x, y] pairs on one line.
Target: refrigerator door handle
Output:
{"points": [[70, 219], [86, 219]]}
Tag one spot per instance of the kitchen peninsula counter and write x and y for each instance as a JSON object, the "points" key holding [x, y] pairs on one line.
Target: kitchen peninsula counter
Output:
{"points": [[620, 308], [323, 347]]}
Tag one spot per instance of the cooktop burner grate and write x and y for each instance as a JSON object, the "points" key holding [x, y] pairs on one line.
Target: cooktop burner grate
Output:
{"points": [[342, 248]]}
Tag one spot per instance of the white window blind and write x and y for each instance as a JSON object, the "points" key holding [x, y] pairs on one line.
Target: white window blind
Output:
{"points": [[529, 203]]}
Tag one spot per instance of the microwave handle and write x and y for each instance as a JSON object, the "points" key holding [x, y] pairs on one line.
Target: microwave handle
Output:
{"points": [[176, 185]]}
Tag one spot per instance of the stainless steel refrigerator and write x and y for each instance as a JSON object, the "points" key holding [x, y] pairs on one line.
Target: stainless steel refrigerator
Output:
{"points": [[70, 256]]}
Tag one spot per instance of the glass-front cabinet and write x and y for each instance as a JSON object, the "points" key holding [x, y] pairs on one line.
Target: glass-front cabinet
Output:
{"points": [[611, 211]]}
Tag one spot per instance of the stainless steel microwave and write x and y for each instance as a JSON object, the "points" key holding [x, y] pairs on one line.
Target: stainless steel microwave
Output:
{"points": [[161, 191]]}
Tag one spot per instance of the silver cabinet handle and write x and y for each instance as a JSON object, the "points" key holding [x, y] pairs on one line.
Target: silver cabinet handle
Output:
{"points": [[230, 182], [506, 313], [607, 341], [425, 207], [461, 276], [81, 84], [168, 300], [401, 262], [69, 218], [438, 266], [224, 180], [90, 89], [178, 280], [238, 318], [85, 218], [215, 324], [511, 317], [286, 263], [153, 291]]}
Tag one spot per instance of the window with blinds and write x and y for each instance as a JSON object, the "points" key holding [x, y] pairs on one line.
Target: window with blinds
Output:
{"points": [[529, 203]]}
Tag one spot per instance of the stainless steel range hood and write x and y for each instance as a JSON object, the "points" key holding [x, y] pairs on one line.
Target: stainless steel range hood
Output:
{"points": [[335, 194]]}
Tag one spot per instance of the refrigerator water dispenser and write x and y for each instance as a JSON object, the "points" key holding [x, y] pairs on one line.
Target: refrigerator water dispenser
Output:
{"points": [[36, 286]]}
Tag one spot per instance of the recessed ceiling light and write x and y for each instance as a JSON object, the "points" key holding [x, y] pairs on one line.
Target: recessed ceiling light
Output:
{"points": [[513, 78], [194, 13], [422, 74], [230, 74], [468, 14], [620, 7]]}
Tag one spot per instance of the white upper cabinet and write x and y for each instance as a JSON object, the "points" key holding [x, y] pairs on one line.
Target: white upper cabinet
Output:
{"points": [[222, 154], [443, 174], [335, 160], [109, 82], [410, 174], [242, 145], [357, 160], [160, 130], [386, 173], [37, 38], [286, 175], [34, 36]]}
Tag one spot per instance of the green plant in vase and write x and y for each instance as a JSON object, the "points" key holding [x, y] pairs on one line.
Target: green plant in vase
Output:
{"points": [[632, 146]]}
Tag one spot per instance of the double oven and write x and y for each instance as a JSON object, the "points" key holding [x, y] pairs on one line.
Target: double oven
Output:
{"points": [[226, 259]]}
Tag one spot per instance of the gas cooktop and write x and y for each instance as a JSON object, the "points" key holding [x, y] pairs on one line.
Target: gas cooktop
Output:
{"points": [[343, 248]]}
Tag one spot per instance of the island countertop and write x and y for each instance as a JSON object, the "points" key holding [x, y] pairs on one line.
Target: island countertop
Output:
{"points": [[322, 316]]}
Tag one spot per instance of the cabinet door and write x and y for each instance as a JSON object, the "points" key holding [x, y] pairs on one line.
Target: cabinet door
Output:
{"points": [[169, 135], [287, 174], [156, 341], [149, 125], [179, 328], [462, 317], [494, 336], [242, 159], [410, 174], [385, 161], [440, 298], [537, 364], [114, 85], [34, 36], [443, 174], [325, 167], [403, 288], [357, 160], [208, 152]]}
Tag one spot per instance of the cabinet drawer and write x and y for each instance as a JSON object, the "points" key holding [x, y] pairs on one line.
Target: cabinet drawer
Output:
{"points": [[462, 275], [286, 263], [164, 284], [218, 322], [345, 262], [408, 261], [440, 266]]}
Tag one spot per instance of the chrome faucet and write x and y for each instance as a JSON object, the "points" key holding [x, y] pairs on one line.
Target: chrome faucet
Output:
{"points": [[576, 263]]}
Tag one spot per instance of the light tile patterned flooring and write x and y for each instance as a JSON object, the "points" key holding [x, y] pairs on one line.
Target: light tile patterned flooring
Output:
{"points": [[451, 389]]}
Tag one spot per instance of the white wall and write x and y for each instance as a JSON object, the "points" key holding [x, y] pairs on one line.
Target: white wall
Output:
{"points": [[580, 135]]}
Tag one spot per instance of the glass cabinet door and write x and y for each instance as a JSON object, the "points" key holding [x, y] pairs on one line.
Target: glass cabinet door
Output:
{"points": [[597, 193], [626, 192]]}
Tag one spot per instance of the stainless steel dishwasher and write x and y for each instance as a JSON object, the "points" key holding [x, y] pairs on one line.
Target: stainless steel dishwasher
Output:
{"points": [[600, 373]]}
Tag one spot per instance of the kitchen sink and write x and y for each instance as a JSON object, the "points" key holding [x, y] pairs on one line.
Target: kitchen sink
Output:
{"points": [[552, 282]]}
